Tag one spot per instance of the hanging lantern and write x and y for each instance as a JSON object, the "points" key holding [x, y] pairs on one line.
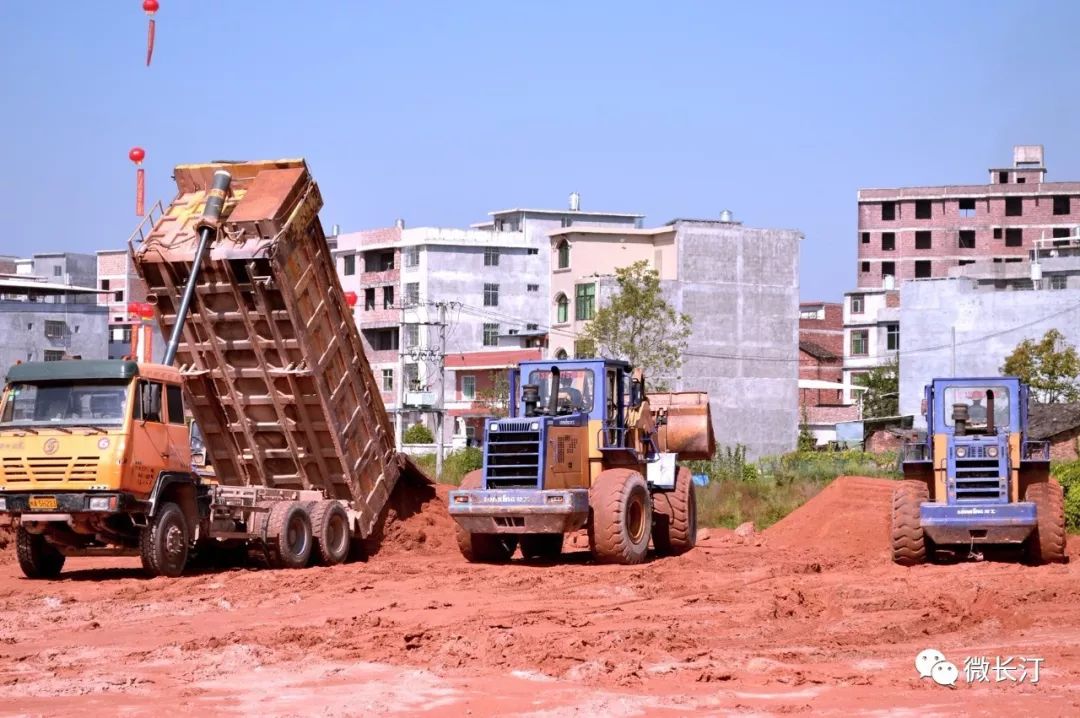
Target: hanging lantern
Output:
{"points": [[351, 298], [150, 7], [137, 155]]}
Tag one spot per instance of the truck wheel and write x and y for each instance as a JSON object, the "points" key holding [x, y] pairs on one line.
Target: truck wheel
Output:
{"points": [[675, 516], [541, 546], [621, 517], [330, 527], [163, 542], [37, 557], [1047, 542], [909, 542], [483, 548], [288, 533]]}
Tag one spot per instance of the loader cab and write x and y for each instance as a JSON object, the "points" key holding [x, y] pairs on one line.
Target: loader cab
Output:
{"points": [[588, 390]]}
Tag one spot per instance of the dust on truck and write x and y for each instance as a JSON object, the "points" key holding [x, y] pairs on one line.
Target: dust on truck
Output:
{"points": [[95, 456], [584, 447], [976, 479]]}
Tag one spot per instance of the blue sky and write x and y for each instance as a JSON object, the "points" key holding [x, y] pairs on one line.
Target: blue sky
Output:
{"points": [[439, 112]]}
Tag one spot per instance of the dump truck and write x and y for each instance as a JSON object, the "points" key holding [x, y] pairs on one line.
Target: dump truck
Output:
{"points": [[585, 447], [95, 456], [975, 479]]}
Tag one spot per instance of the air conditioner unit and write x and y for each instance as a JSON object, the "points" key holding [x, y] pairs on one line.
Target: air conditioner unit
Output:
{"points": [[422, 399]]}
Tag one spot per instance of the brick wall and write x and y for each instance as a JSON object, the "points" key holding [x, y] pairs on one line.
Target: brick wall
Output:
{"points": [[1063, 447]]}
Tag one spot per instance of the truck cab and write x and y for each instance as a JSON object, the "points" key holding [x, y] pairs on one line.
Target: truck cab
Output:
{"points": [[976, 478]]}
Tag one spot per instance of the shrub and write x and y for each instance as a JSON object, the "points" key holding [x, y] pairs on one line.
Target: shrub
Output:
{"points": [[418, 434], [1068, 475], [455, 465]]}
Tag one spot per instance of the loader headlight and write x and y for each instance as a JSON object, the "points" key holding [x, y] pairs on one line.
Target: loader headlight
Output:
{"points": [[961, 452], [992, 452], [535, 426]]}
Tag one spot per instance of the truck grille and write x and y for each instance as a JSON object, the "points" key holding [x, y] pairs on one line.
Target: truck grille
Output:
{"points": [[979, 478], [513, 456], [48, 469]]}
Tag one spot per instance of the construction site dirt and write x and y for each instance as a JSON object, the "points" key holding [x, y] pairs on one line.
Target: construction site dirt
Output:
{"points": [[809, 616]]}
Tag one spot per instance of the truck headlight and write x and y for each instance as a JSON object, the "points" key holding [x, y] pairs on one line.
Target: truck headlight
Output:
{"points": [[961, 452], [992, 452], [3, 503], [102, 503]]}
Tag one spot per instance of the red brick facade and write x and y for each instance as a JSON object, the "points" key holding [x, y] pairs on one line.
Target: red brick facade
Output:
{"points": [[821, 350]]}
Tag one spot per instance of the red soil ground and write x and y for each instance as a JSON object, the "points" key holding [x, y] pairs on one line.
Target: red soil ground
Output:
{"points": [[809, 617]]}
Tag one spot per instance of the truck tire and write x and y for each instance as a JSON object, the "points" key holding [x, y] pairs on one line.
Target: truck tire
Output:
{"points": [[288, 535], [483, 548], [330, 528], [541, 546], [909, 542], [1047, 542], [37, 557], [621, 517], [675, 516], [163, 542]]}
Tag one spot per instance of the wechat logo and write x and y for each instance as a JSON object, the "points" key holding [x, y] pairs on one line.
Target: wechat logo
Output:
{"points": [[931, 664]]}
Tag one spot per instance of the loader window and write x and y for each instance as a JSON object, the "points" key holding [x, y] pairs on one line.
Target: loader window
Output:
{"points": [[575, 389], [976, 400], [65, 404]]}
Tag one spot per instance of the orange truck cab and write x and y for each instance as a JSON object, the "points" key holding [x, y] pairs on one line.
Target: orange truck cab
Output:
{"points": [[87, 450]]}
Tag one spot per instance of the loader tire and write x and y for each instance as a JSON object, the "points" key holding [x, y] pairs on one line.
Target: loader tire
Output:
{"points": [[675, 516], [909, 541], [288, 535], [544, 547], [483, 548], [37, 557], [330, 528], [621, 517], [1047, 542], [164, 542]]}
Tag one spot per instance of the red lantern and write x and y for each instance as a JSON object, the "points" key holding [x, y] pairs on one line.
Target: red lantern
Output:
{"points": [[150, 7], [137, 155], [350, 298]]}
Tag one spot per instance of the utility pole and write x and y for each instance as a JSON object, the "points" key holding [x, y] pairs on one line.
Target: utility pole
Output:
{"points": [[441, 406], [399, 415], [953, 351]]}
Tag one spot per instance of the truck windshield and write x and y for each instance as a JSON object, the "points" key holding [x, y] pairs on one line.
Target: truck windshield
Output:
{"points": [[975, 397], [575, 389], [65, 404]]}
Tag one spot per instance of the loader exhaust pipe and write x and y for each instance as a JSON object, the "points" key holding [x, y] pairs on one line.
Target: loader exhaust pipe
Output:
{"points": [[208, 227], [553, 393], [990, 411]]}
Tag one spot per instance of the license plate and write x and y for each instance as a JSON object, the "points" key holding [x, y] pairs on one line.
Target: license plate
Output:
{"points": [[40, 503]]}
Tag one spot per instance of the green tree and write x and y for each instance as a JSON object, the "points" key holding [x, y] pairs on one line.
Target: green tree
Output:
{"points": [[882, 395], [639, 326], [418, 434], [496, 397], [1050, 366]]}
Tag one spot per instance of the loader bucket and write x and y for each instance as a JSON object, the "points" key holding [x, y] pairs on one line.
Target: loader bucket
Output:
{"points": [[684, 424]]}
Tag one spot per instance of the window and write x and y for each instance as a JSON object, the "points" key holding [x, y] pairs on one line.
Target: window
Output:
{"points": [[412, 294], [58, 271], [866, 238], [29, 326], [531, 327], [1014, 237], [118, 296], [412, 335], [858, 302], [922, 269], [976, 400], [966, 239], [922, 239], [532, 250], [175, 399], [922, 209], [967, 207], [865, 267], [387, 379], [997, 232], [965, 262], [54, 329], [892, 337], [859, 343], [532, 287], [369, 299], [564, 254], [1003, 178], [888, 211], [386, 261], [146, 388], [888, 269], [388, 297], [350, 265], [412, 256], [1014, 206], [562, 309], [491, 295], [888, 241], [1061, 205], [567, 222], [53, 355], [491, 335], [1060, 232], [412, 377], [561, 354], [584, 301], [1021, 180], [1058, 281], [105, 284], [468, 387], [491, 256]]}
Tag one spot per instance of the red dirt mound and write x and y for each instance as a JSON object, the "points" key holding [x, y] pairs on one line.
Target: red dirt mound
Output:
{"points": [[415, 520], [849, 518]]}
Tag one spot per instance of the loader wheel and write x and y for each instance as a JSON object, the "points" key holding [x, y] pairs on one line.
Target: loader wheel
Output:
{"points": [[1047, 542], [288, 534], [483, 548], [541, 546], [621, 517], [909, 542], [675, 516], [163, 542], [330, 527], [37, 557]]}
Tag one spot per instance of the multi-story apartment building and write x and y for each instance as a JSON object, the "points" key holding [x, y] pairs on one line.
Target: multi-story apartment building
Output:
{"points": [[871, 334]]}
